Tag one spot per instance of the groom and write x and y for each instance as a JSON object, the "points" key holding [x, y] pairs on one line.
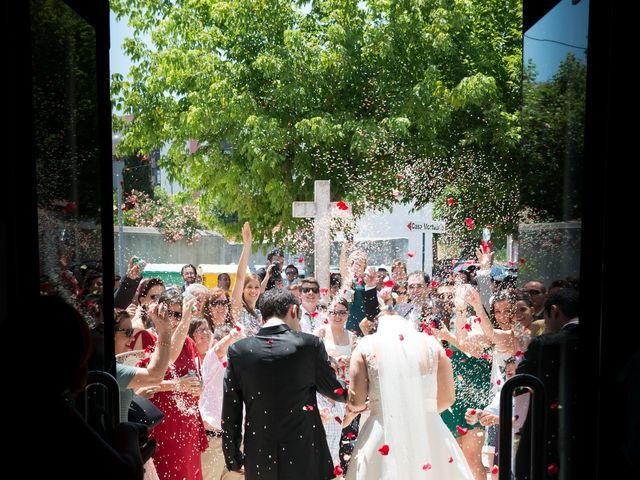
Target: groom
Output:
{"points": [[276, 374]]}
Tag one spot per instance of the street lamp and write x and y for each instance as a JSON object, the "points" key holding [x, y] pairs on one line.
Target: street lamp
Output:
{"points": [[118, 167]]}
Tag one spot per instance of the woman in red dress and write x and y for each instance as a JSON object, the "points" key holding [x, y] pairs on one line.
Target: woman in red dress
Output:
{"points": [[181, 435]]}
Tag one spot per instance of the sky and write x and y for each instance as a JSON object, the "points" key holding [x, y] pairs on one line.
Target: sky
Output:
{"points": [[565, 23]]}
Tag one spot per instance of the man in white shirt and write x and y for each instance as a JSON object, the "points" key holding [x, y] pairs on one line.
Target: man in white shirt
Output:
{"points": [[312, 315]]}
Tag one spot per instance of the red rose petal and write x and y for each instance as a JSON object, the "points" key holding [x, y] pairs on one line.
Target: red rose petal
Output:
{"points": [[467, 326], [314, 314], [337, 471], [339, 391], [477, 320], [384, 450], [325, 321], [461, 430], [426, 466], [351, 435], [498, 382], [434, 284], [269, 342], [224, 364], [470, 223], [238, 328], [324, 292], [411, 254], [519, 353], [495, 470], [338, 419], [451, 202], [342, 206], [522, 261], [473, 411], [449, 352], [450, 459], [308, 408], [389, 283], [301, 260], [401, 337], [553, 469], [486, 356]]}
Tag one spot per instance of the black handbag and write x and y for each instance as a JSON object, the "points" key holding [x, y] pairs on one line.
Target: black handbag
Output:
{"points": [[142, 410]]}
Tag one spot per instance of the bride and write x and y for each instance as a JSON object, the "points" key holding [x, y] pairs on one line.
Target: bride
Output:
{"points": [[408, 380]]}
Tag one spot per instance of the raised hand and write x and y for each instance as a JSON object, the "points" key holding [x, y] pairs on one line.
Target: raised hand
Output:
{"points": [[247, 237], [135, 267], [485, 259]]}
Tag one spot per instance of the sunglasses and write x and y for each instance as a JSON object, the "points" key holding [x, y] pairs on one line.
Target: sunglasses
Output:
{"points": [[341, 313], [177, 315], [219, 303], [127, 331], [310, 290]]}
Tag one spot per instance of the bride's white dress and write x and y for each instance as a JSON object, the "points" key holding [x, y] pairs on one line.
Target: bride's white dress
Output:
{"points": [[402, 365]]}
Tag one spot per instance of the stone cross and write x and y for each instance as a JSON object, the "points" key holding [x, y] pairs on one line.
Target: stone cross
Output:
{"points": [[321, 210]]}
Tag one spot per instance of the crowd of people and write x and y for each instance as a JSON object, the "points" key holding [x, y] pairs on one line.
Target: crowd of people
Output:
{"points": [[178, 346]]}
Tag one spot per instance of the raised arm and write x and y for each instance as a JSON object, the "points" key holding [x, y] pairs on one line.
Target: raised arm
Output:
{"points": [[502, 339], [236, 294], [154, 373], [344, 269]]}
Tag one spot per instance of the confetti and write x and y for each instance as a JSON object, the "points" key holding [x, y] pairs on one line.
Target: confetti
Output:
{"points": [[342, 206], [339, 391], [337, 471], [451, 202], [411, 254], [426, 466], [469, 222], [450, 459], [384, 450], [461, 430], [401, 337]]}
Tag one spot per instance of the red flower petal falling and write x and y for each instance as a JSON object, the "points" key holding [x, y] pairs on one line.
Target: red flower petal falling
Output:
{"points": [[342, 206], [384, 450], [411, 254], [339, 391], [426, 466], [451, 202], [461, 430]]}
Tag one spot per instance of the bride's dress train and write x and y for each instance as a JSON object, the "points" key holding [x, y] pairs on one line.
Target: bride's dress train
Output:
{"points": [[402, 369]]}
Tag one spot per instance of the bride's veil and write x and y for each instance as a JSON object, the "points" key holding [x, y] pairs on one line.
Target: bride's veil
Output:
{"points": [[404, 356]]}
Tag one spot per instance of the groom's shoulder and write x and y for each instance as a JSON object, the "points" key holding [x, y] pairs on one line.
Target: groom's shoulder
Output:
{"points": [[307, 338]]}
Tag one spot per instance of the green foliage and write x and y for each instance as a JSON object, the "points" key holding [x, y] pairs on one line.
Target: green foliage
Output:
{"points": [[553, 143], [375, 95]]}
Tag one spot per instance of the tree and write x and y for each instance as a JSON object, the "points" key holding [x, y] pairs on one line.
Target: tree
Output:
{"points": [[553, 119], [405, 99]]}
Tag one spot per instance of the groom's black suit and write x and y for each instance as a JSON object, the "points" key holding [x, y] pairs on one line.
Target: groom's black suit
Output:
{"points": [[275, 374]]}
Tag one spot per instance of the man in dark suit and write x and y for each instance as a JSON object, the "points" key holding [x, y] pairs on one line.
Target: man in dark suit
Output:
{"points": [[552, 358], [276, 374]]}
